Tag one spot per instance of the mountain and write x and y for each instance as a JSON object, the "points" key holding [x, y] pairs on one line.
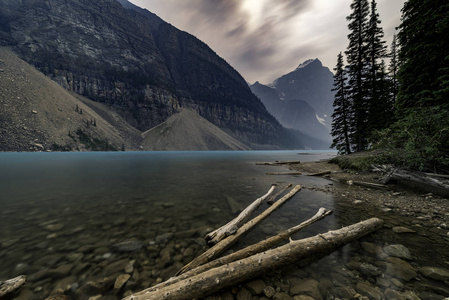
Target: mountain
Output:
{"points": [[136, 65], [302, 100], [189, 131], [39, 115]]}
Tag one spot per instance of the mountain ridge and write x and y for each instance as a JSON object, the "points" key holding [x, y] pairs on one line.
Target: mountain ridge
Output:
{"points": [[137, 65], [302, 100]]}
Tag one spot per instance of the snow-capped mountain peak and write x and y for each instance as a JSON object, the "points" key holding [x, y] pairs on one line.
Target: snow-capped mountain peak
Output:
{"points": [[306, 63]]}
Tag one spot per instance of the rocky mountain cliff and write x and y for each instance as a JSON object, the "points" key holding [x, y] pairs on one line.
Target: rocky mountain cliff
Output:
{"points": [[37, 114], [302, 100], [137, 65]]}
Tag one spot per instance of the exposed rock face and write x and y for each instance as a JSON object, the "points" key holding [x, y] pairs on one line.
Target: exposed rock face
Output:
{"points": [[138, 65], [302, 100]]}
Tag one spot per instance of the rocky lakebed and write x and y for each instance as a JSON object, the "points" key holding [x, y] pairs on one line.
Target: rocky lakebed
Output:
{"points": [[105, 252]]}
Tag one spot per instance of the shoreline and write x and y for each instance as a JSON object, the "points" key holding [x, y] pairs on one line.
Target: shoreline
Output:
{"points": [[428, 208]]}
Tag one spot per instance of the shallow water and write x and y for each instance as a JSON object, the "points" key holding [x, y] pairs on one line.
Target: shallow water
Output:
{"points": [[70, 209]]}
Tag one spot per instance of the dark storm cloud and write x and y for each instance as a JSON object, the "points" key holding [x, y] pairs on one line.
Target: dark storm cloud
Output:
{"points": [[264, 39]]}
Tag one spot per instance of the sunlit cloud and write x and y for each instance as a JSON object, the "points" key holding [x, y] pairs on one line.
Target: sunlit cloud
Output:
{"points": [[264, 39]]}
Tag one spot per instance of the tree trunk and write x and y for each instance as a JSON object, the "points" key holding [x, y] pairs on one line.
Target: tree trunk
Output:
{"points": [[226, 276], [231, 227], [224, 244], [284, 173], [320, 173], [279, 163], [273, 198], [420, 181], [246, 252]]}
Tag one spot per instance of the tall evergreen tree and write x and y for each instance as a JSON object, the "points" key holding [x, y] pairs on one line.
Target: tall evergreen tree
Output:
{"points": [[420, 137], [357, 57], [342, 110], [424, 40], [378, 102], [393, 68]]}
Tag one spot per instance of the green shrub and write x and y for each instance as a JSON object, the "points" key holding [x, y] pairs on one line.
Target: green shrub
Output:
{"points": [[419, 141]]}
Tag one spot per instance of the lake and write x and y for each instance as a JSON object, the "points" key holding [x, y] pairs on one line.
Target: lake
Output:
{"points": [[64, 215]]}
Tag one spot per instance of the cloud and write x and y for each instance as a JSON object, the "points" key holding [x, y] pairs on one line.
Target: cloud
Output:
{"points": [[264, 39]]}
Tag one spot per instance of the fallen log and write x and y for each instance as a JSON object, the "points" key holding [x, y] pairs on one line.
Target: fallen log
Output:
{"points": [[320, 173], [367, 184], [231, 274], [246, 252], [437, 175], [278, 163], [284, 173], [227, 242], [273, 198], [419, 181], [232, 226]]}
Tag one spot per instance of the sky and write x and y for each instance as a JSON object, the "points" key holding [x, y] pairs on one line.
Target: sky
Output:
{"points": [[265, 39]]}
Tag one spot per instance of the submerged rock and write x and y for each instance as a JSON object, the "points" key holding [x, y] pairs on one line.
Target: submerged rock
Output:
{"points": [[439, 274], [399, 251], [400, 269], [126, 247], [369, 291], [308, 288], [401, 229]]}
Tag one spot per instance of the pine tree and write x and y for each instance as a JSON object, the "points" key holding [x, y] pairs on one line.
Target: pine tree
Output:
{"points": [[378, 102], [393, 68], [357, 57], [424, 40], [342, 110]]}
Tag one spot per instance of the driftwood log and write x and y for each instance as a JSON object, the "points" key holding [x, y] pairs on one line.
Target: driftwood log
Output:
{"points": [[367, 184], [278, 163], [421, 181], [231, 274], [272, 199], [227, 242], [246, 252], [284, 173], [11, 288], [320, 173], [232, 226]]}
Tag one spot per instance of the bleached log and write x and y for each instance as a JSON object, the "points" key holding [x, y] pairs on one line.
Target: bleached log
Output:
{"points": [[232, 226], [320, 173], [284, 173], [12, 287], [246, 252], [231, 274], [273, 198], [368, 184], [224, 244], [278, 163]]}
